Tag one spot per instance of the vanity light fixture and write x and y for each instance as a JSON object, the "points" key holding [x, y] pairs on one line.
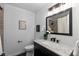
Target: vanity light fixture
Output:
{"points": [[55, 6]]}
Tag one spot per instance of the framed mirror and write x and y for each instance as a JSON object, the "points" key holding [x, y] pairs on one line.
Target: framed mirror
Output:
{"points": [[60, 23]]}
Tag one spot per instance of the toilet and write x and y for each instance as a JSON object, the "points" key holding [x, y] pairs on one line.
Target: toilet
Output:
{"points": [[29, 50]]}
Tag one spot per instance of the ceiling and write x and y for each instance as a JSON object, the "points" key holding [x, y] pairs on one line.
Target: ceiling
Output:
{"points": [[31, 6]]}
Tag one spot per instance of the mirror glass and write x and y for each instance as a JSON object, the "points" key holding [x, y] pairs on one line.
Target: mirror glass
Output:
{"points": [[60, 23]]}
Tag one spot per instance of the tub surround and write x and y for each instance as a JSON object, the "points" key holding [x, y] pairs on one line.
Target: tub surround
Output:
{"points": [[12, 34], [57, 48]]}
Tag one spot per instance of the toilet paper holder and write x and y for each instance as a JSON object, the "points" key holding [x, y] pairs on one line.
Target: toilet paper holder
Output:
{"points": [[19, 41]]}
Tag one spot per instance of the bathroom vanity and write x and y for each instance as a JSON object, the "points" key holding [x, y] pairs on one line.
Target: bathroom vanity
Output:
{"points": [[48, 48]]}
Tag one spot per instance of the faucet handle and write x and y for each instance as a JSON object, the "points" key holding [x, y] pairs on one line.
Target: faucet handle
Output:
{"points": [[57, 41], [53, 39]]}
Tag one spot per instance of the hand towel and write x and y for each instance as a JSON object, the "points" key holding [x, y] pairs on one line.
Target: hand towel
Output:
{"points": [[76, 49]]}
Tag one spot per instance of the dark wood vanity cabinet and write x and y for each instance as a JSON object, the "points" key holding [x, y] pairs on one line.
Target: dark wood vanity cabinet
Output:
{"points": [[42, 51]]}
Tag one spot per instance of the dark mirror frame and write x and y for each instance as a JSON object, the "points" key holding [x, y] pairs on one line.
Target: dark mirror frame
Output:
{"points": [[70, 22]]}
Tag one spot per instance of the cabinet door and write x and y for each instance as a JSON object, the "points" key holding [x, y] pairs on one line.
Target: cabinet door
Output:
{"points": [[42, 51]]}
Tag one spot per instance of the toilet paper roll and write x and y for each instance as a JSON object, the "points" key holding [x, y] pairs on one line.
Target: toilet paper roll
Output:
{"points": [[76, 49]]}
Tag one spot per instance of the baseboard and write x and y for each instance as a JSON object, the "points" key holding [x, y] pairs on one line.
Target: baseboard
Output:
{"points": [[15, 54], [22, 54], [3, 54]]}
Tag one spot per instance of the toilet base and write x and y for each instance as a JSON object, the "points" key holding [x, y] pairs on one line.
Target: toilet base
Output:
{"points": [[30, 53]]}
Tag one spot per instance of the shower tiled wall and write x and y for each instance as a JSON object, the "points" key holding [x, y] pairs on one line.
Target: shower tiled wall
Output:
{"points": [[1, 24]]}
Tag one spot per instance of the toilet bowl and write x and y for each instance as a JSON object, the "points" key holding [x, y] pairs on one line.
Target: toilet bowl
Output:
{"points": [[29, 50]]}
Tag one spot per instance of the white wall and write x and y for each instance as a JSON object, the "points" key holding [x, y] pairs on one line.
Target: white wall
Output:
{"points": [[67, 40], [40, 19], [12, 34]]}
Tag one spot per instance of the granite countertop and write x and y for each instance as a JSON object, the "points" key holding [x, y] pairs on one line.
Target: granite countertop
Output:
{"points": [[60, 49]]}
